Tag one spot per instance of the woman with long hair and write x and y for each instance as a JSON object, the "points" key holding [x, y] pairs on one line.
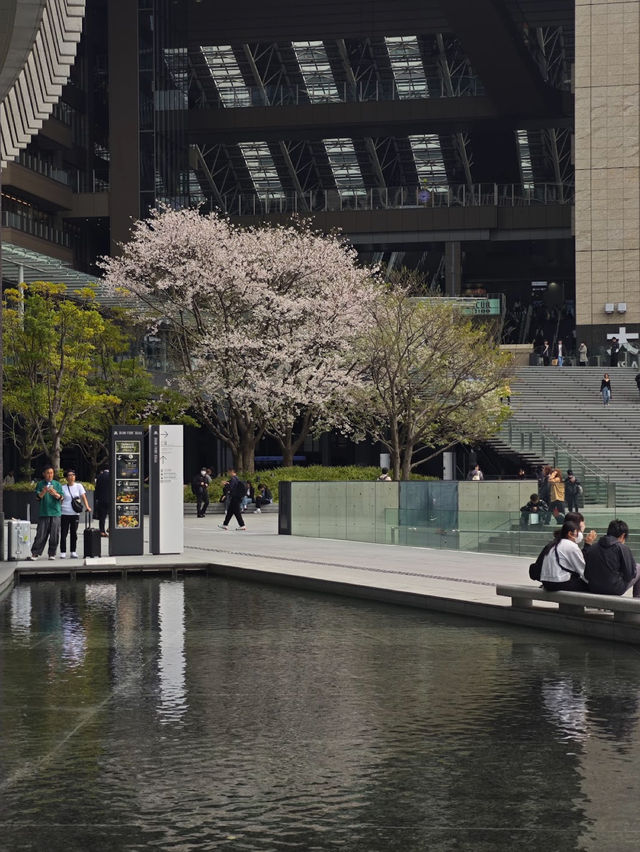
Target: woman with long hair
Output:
{"points": [[605, 389], [563, 564]]}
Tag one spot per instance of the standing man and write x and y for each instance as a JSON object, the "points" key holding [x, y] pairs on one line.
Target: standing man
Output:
{"points": [[615, 346], [235, 490], [546, 354], [49, 493], [200, 485], [610, 567], [572, 492], [102, 499]]}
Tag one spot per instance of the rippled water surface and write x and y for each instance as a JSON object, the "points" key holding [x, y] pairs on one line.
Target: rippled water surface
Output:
{"points": [[214, 715]]}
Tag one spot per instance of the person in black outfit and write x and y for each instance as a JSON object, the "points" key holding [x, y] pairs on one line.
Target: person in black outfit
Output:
{"points": [[235, 490], [572, 492], [546, 354], [610, 567], [102, 499], [263, 497], [615, 346], [200, 485]]}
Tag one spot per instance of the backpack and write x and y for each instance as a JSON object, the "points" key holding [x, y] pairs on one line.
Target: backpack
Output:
{"points": [[535, 569]]}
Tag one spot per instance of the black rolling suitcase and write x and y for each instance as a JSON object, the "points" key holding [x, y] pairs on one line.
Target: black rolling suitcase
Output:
{"points": [[92, 539]]}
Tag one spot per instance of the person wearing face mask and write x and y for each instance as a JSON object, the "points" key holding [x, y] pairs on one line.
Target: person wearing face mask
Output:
{"points": [[200, 486], [563, 563]]}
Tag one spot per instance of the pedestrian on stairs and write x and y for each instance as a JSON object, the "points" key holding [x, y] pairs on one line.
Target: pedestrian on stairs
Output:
{"points": [[638, 381], [572, 492], [583, 354], [556, 491], [546, 354], [605, 389]]}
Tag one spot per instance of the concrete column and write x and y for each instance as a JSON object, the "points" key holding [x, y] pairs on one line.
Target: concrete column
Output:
{"points": [[453, 268], [607, 159], [124, 167]]}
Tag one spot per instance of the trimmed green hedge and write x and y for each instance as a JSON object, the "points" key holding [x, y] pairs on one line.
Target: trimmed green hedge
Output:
{"points": [[316, 473], [25, 487]]}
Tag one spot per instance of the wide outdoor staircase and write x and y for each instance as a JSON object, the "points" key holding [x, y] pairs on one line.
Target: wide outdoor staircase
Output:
{"points": [[558, 418]]}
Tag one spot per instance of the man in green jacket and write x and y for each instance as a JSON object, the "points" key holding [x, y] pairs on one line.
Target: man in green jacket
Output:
{"points": [[49, 493]]}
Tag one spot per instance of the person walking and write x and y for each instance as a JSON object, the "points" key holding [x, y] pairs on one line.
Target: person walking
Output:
{"points": [[200, 486], [49, 495], [615, 347], [74, 499], [102, 498], [560, 354], [236, 489], [546, 354], [583, 356], [605, 389], [638, 381]]}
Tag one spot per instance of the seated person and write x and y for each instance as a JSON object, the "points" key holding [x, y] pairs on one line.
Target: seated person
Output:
{"points": [[563, 563], [263, 497], [585, 540], [610, 565], [248, 497], [536, 508]]}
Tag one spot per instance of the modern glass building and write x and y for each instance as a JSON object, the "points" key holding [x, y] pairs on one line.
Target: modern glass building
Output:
{"points": [[491, 144]]}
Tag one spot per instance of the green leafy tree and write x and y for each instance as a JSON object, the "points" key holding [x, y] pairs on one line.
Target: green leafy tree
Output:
{"points": [[432, 379], [140, 402], [50, 348]]}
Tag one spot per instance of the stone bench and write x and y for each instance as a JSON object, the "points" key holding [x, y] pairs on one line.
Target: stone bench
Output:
{"points": [[625, 609]]}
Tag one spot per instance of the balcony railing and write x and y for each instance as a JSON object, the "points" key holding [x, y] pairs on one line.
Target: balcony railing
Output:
{"points": [[391, 198], [35, 228], [43, 167]]}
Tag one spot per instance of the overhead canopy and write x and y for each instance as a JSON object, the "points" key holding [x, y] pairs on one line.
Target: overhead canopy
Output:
{"points": [[20, 265]]}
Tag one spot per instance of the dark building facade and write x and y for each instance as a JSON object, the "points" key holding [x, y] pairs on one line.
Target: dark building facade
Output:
{"points": [[436, 135]]}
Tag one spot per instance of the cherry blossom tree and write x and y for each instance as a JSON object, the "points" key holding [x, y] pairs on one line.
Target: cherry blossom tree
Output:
{"points": [[262, 321], [433, 379]]}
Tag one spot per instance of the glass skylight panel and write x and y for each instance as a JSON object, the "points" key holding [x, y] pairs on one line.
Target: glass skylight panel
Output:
{"points": [[316, 71], [524, 151], [227, 75], [262, 169], [344, 165], [407, 67], [427, 155]]}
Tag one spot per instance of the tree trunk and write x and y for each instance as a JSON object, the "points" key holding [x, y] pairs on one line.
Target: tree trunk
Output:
{"points": [[57, 452]]}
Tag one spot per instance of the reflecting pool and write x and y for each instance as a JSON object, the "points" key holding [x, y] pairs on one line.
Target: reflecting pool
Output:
{"points": [[206, 714]]}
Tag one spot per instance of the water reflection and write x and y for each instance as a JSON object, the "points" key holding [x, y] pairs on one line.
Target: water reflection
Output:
{"points": [[21, 612], [171, 648], [207, 714]]}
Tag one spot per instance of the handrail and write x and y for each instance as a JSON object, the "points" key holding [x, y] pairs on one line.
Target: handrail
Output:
{"points": [[234, 96], [396, 197], [556, 445]]}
